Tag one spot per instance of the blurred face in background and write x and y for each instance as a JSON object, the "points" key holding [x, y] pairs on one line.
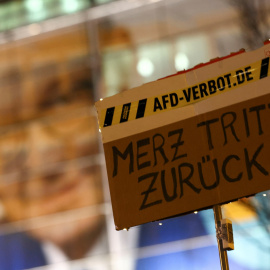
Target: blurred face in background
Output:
{"points": [[49, 166]]}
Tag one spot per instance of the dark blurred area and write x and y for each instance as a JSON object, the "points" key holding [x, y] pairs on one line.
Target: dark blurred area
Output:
{"points": [[253, 20], [57, 57]]}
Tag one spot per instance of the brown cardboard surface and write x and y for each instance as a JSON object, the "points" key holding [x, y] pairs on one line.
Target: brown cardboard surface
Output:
{"points": [[190, 165], [188, 158]]}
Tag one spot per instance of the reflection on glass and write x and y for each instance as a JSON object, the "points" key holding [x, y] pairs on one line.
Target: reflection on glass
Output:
{"points": [[53, 212], [35, 8], [119, 71], [181, 61], [195, 48], [145, 67], [70, 6], [159, 61], [34, 5]]}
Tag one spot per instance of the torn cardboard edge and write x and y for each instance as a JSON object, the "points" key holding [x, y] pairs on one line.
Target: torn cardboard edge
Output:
{"points": [[235, 166]]}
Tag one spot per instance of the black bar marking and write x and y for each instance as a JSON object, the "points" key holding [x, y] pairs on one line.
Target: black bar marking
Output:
{"points": [[264, 68], [141, 108], [125, 112], [109, 117]]}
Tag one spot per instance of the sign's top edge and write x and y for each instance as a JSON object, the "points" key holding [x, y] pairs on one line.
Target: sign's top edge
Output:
{"points": [[211, 61], [98, 104]]}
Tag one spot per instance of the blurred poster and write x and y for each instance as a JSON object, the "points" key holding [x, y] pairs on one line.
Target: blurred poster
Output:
{"points": [[54, 203], [51, 191]]}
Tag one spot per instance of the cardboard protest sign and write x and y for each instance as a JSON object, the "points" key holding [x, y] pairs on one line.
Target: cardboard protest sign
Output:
{"points": [[168, 154]]}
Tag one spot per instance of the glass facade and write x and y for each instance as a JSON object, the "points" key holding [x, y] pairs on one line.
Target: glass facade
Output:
{"points": [[55, 210], [17, 13]]}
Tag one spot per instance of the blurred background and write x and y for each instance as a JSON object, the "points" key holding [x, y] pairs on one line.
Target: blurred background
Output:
{"points": [[57, 57]]}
